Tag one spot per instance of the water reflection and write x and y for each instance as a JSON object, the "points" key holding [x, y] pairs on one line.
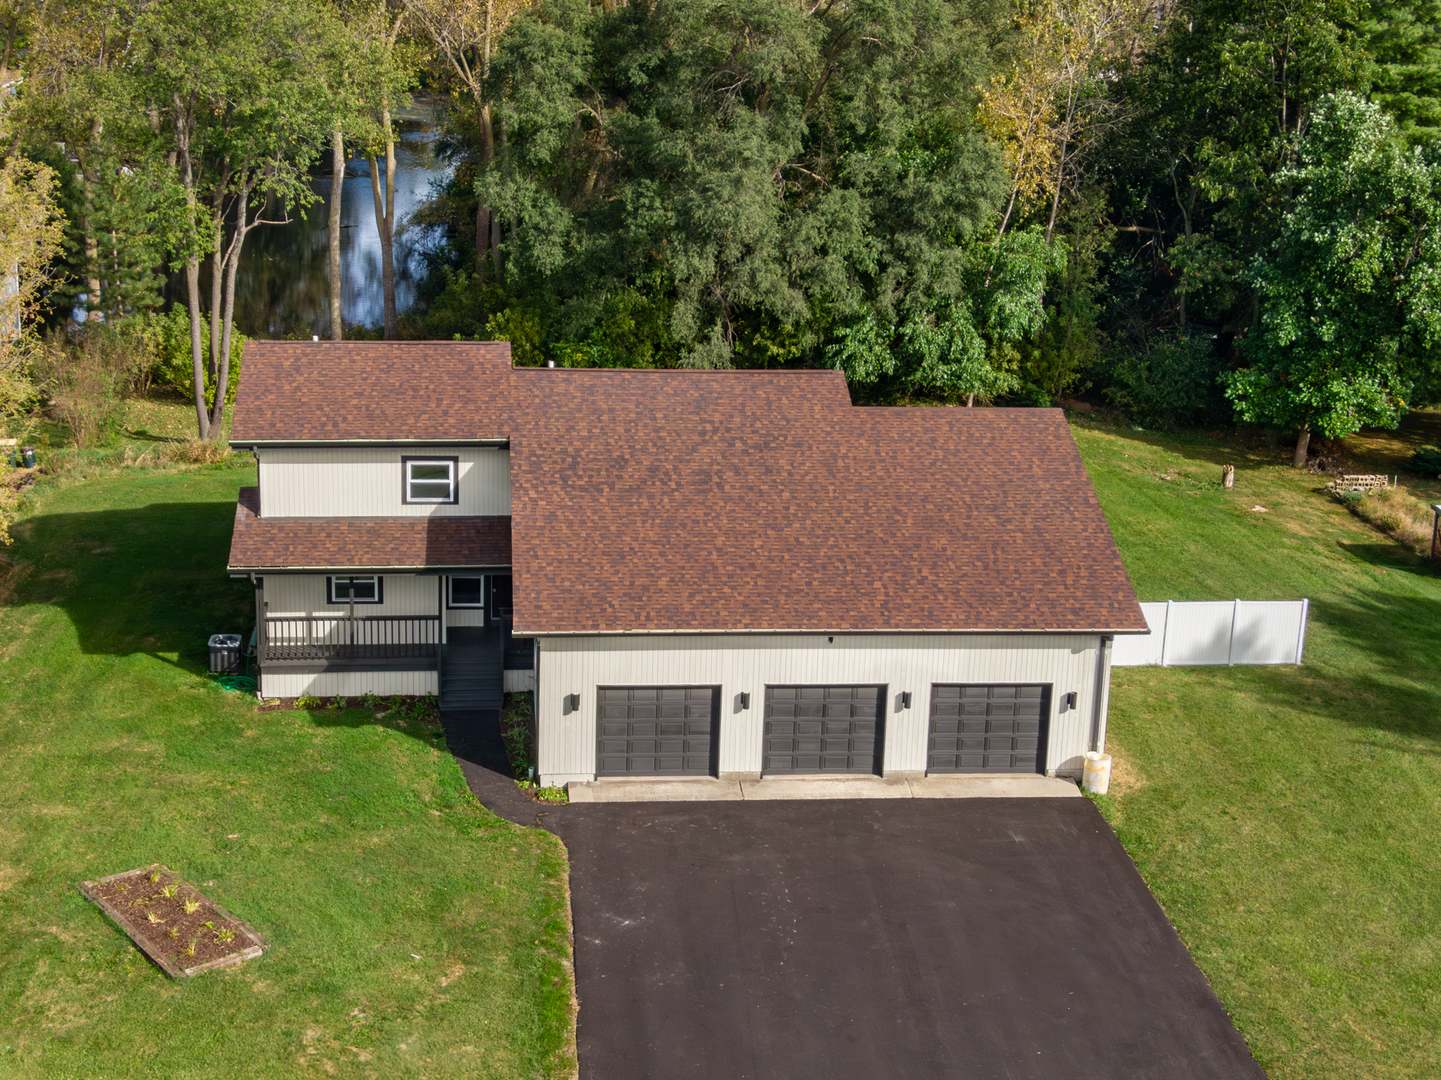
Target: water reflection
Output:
{"points": [[282, 286]]}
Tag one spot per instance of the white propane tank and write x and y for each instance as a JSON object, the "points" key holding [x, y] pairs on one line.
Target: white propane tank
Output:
{"points": [[1096, 777]]}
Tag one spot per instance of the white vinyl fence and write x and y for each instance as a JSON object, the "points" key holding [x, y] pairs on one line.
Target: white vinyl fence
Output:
{"points": [[1216, 632]]}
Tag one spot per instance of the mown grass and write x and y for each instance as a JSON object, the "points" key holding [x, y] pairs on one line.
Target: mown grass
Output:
{"points": [[1285, 817], [413, 933]]}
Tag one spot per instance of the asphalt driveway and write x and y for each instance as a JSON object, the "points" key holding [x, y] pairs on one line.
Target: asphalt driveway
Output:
{"points": [[884, 939]]}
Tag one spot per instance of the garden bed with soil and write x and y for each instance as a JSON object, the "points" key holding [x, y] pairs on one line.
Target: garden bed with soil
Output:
{"points": [[183, 931]]}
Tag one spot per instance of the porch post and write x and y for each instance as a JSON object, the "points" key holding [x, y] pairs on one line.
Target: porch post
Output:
{"points": [[260, 609]]}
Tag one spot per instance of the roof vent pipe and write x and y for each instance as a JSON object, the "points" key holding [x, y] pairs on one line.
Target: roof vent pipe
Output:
{"points": [[550, 363]]}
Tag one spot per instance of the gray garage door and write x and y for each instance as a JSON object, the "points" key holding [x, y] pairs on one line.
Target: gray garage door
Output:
{"points": [[829, 729], [988, 728], [656, 730]]}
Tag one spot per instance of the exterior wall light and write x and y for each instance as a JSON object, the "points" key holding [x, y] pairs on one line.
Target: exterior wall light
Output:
{"points": [[745, 700], [1069, 701], [572, 702], [905, 699]]}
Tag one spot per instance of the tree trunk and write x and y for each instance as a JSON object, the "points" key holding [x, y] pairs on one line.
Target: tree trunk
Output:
{"points": [[482, 238], [495, 246], [192, 272], [383, 221], [337, 178], [10, 42], [1303, 443], [392, 328], [217, 279], [93, 301], [232, 264]]}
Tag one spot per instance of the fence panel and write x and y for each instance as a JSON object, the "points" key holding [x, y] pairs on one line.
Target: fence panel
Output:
{"points": [[1269, 632], [1199, 633], [1142, 650], [1216, 632]]}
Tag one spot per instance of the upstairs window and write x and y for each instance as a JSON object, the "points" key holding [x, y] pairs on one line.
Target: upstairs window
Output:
{"points": [[358, 590], [467, 592], [431, 480]]}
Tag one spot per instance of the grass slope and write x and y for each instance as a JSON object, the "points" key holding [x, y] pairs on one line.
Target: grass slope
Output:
{"points": [[1286, 817], [413, 933]]}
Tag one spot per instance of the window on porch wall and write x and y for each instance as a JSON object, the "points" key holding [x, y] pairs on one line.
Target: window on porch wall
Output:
{"points": [[364, 589]]}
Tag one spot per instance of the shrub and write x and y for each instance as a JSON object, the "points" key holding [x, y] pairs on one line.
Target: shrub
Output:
{"points": [[1426, 462], [1169, 384], [83, 371], [1394, 511], [168, 339]]}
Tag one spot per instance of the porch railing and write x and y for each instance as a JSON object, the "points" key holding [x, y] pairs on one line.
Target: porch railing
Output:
{"points": [[340, 637]]}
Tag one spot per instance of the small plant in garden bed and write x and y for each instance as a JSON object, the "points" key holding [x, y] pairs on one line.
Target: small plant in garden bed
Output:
{"points": [[174, 911], [553, 795], [517, 731]]}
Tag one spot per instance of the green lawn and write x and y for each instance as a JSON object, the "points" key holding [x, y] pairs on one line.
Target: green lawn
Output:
{"points": [[413, 933], [1286, 818]]}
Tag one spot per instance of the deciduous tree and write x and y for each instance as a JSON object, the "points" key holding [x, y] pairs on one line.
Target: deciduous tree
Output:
{"points": [[1351, 288]]}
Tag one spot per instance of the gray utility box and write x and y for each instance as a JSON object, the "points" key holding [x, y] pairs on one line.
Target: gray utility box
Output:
{"points": [[224, 653]]}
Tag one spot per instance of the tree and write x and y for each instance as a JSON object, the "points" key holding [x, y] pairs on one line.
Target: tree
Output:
{"points": [[1404, 37], [239, 86], [1218, 107], [30, 239], [966, 348], [1351, 288], [79, 98], [1052, 105], [763, 172], [464, 34]]}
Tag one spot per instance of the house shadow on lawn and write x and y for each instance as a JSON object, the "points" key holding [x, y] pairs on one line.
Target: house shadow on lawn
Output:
{"points": [[149, 579], [401, 721]]}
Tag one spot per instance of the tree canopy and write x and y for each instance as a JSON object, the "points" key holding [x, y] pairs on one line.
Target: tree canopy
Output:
{"points": [[966, 201]]}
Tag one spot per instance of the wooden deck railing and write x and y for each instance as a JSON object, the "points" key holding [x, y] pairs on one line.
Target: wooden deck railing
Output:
{"points": [[339, 637]]}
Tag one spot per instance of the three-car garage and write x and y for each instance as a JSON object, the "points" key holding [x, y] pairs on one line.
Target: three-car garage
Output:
{"points": [[675, 730], [799, 706]]}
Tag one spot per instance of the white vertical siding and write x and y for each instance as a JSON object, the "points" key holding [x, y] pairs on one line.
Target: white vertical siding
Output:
{"points": [[327, 684], [517, 682], [366, 482], [750, 663], [304, 594]]}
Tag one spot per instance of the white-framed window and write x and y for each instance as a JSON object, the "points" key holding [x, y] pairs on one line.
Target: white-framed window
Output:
{"points": [[359, 589], [430, 480], [467, 592]]}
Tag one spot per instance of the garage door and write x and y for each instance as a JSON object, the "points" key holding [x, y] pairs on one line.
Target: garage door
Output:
{"points": [[823, 729], [656, 730], [988, 729]]}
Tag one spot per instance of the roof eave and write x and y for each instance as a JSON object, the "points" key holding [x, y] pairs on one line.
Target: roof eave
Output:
{"points": [[283, 444], [427, 568], [851, 632]]}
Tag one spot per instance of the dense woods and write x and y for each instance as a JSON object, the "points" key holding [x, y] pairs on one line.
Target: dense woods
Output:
{"points": [[1200, 211]]}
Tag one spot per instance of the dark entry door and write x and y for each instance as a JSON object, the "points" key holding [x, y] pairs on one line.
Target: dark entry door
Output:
{"points": [[988, 729], [823, 729], [657, 730]]}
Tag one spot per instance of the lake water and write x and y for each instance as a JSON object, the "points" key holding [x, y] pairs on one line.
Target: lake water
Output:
{"points": [[282, 286]]}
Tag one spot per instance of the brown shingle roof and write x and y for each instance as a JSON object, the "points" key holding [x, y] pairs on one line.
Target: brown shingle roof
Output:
{"points": [[720, 501], [364, 543], [638, 507], [373, 390]]}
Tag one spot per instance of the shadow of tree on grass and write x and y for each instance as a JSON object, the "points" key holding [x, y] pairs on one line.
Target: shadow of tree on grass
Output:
{"points": [[148, 579]]}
